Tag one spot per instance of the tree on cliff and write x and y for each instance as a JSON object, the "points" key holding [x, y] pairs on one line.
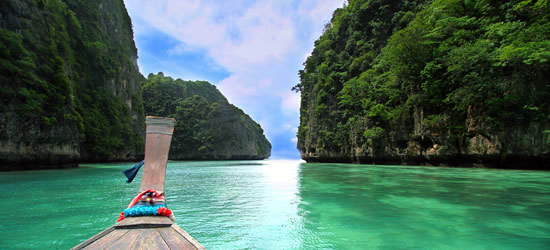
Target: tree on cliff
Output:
{"points": [[394, 78]]}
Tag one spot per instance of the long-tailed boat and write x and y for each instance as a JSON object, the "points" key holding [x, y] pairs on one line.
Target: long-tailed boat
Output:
{"points": [[137, 228]]}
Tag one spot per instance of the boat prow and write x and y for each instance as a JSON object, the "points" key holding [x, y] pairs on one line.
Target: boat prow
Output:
{"points": [[147, 232]]}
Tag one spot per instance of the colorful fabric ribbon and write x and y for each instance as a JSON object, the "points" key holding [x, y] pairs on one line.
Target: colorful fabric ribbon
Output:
{"points": [[132, 172], [147, 203]]}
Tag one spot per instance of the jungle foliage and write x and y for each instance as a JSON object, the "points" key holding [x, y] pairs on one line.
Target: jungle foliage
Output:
{"points": [[389, 70], [61, 65], [207, 125]]}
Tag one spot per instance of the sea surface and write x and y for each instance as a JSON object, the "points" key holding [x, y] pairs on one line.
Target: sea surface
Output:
{"points": [[290, 205]]}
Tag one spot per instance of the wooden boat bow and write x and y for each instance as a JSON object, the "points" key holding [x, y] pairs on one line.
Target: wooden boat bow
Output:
{"points": [[147, 232]]}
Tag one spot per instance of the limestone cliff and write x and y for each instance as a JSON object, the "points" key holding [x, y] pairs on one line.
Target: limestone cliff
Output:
{"points": [[69, 84], [430, 82], [208, 126]]}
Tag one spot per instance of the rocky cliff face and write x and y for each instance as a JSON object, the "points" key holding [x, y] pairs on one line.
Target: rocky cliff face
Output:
{"points": [[68, 83], [208, 127], [429, 82]]}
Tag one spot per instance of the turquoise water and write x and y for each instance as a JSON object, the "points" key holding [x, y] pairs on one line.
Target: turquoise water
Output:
{"points": [[290, 205]]}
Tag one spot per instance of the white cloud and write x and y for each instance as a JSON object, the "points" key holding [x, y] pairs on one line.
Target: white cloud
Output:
{"points": [[291, 101], [319, 11], [260, 33], [181, 49], [233, 88]]}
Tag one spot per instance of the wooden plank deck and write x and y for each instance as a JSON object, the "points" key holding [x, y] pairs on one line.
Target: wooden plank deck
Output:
{"points": [[148, 232]]}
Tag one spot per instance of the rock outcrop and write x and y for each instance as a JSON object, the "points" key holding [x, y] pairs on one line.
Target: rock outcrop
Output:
{"points": [[208, 126], [429, 82], [69, 84]]}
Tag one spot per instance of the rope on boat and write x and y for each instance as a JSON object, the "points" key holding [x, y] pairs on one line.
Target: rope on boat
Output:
{"points": [[147, 203]]}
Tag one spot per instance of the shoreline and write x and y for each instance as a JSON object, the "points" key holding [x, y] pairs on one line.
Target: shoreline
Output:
{"points": [[11, 166], [517, 162]]}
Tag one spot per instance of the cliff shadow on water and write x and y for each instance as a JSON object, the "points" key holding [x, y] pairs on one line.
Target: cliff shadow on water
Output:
{"points": [[414, 207]]}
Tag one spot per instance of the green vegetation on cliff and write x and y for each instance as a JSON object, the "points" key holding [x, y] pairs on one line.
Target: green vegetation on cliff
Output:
{"points": [[441, 81], [208, 127], [68, 82]]}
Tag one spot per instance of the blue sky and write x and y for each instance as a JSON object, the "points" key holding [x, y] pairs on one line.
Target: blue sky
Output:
{"points": [[251, 50]]}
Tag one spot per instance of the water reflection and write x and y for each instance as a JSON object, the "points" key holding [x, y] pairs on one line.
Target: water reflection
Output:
{"points": [[418, 207], [237, 204]]}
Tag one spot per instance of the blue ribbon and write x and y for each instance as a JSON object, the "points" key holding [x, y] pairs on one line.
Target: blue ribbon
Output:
{"points": [[142, 210], [132, 172]]}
